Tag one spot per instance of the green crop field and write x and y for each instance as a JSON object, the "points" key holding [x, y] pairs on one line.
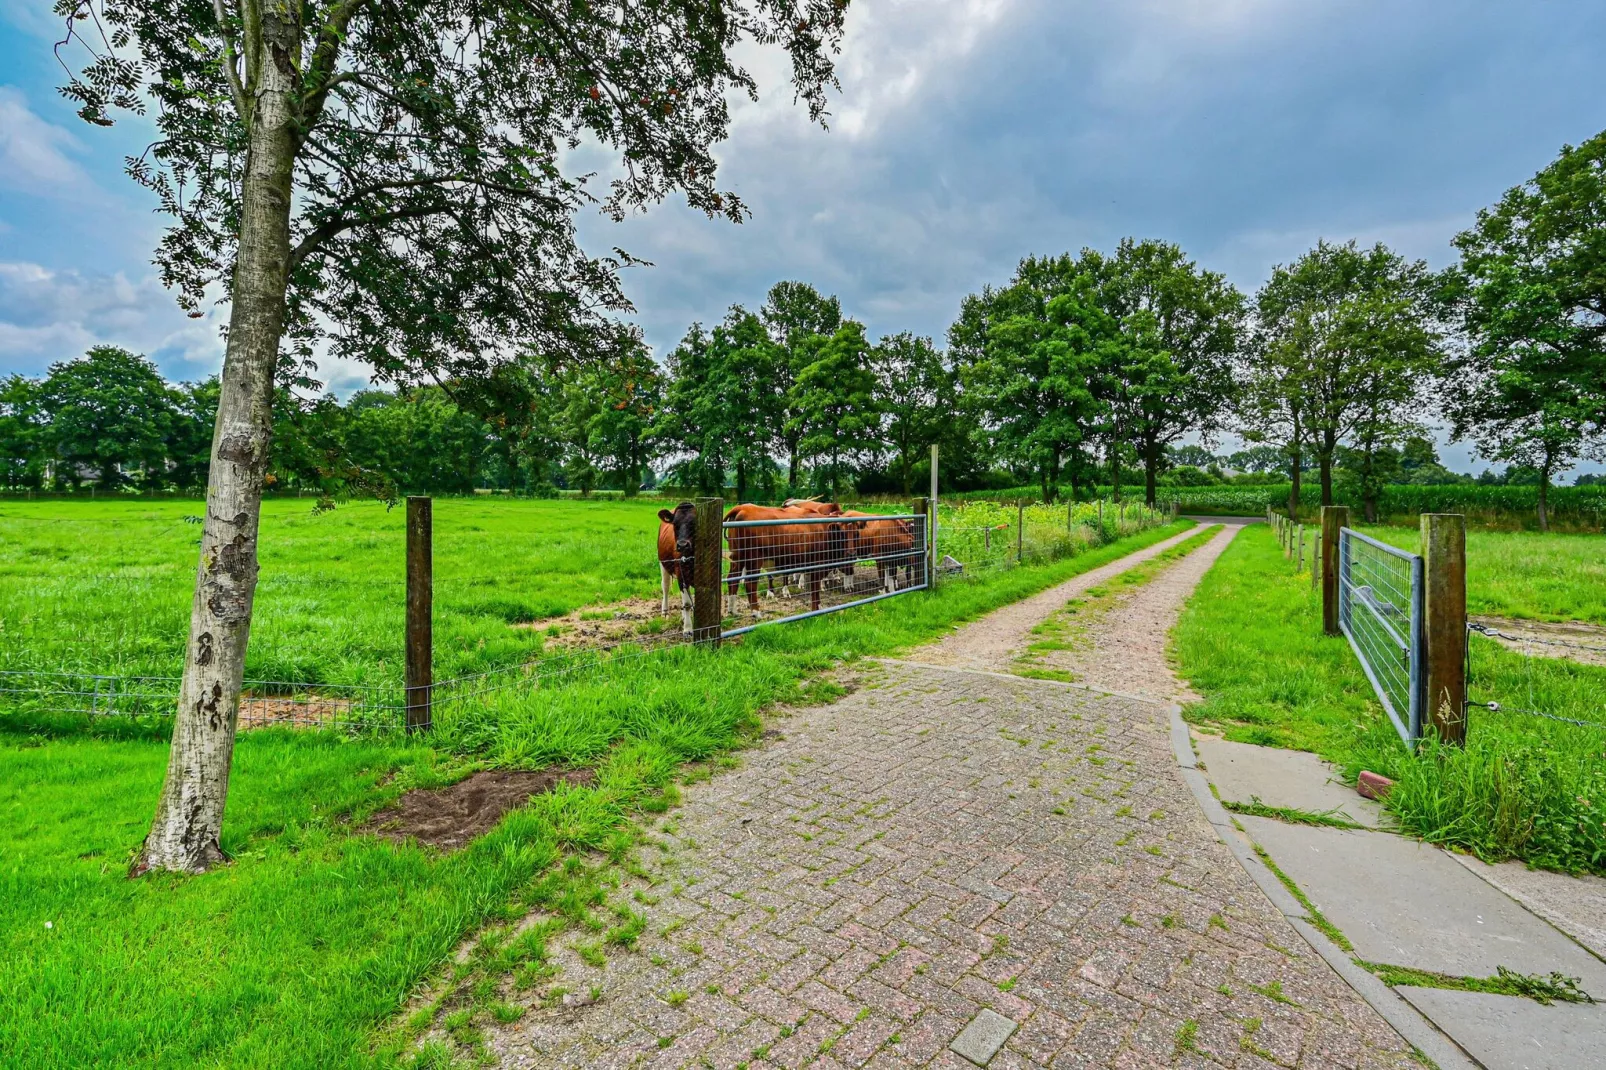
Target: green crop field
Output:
{"points": [[1250, 642], [301, 953]]}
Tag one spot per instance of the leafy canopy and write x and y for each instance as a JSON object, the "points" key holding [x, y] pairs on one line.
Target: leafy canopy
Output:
{"points": [[431, 212]]}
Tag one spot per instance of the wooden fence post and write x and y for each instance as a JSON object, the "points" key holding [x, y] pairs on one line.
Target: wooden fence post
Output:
{"points": [[1020, 531], [420, 668], [931, 521], [707, 560], [1444, 623], [1333, 518]]}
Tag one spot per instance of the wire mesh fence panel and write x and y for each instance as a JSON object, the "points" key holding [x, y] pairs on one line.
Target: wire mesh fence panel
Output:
{"points": [[790, 567], [1380, 593]]}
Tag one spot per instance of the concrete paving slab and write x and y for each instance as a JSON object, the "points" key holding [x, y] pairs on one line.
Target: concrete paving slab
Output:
{"points": [[983, 1037], [1409, 904], [1291, 778], [1510, 1033], [1575, 905]]}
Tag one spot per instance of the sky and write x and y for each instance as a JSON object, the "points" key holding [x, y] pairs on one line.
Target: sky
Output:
{"points": [[966, 135]]}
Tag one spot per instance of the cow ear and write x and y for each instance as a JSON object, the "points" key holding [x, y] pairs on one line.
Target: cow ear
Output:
{"points": [[666, 516]]}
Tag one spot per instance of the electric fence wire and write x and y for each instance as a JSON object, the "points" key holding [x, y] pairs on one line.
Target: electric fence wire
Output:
{"points": [[1497, 707]]}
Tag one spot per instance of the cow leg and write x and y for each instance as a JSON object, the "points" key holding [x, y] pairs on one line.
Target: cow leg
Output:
{"points": [[663, 609], [733, 581], [889, 577], [752, 592], [814, 590], [685, 610]]}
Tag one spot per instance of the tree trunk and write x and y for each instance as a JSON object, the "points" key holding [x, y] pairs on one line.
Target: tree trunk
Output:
{"points": [[184, 835], [1293, 479], [1151, 472], [1544, 495]]}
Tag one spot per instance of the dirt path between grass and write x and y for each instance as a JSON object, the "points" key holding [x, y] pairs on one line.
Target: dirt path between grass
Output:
{"points": [[994, 641], [1123, 648], [942, 843]]}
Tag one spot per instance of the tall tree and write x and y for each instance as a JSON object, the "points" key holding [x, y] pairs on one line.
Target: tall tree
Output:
{"points": [[1180, 329], [393, 172], [834, 398], [915, 392], [801, 321], [1353, 332], [109, 410], [1529, 387], [1028, 354], [629, 389]]}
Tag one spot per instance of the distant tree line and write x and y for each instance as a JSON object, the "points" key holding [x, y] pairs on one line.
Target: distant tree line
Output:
{"points": [[1082, 371]]}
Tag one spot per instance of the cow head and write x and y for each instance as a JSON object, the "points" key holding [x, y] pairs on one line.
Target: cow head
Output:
{"points": [[684, 521]]}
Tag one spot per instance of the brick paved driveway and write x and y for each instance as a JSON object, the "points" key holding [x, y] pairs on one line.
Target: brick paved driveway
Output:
{"points": [[939, 842]]}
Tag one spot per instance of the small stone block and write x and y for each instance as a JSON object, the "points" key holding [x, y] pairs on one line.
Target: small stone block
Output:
{"points": [[1373, 786], [983, 1037]]}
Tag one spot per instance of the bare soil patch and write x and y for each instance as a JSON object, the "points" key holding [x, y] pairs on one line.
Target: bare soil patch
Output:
{"points": [[304, 711], [591, 626], [1574, 640], [451, 817]]}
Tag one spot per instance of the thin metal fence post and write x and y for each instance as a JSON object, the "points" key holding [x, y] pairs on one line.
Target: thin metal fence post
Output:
{"points": [[420, 614], [707, 561], [1444, 623], [1020, 531], [1301, 566], [1316, 561], [1334, 517], [921, 575]]}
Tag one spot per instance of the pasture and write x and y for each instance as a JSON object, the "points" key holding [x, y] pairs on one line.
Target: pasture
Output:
{"points": [[1526, 787], [301, 953]]}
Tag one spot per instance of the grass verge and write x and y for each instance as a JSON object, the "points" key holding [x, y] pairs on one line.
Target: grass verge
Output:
{"points": [[300, 952], [1523, 787]]}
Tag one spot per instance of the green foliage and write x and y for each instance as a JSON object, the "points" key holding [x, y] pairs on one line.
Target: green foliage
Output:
{"points": [[834, 399], [1345, 344], [1530, 293], [915, 392], [109, 411]]}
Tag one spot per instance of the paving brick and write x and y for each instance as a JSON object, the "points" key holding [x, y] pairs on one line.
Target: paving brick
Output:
{"points": [[932, 860]]}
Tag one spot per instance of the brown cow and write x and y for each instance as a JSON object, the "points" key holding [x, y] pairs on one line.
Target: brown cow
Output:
{"points": [[889, 543], [810, 549], [675, 542]]}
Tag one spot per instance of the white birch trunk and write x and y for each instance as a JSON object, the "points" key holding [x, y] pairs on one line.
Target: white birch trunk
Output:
{"points": [[184, 835]]}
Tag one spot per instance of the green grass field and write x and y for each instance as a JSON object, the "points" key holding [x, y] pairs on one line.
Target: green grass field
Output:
{"points": [[1524, 574], [301, 952], [105, 586], [1524, 787]]}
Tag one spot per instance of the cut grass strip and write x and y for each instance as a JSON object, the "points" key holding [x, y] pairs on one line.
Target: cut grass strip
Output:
{"points": [[1326, 818], [1554, 988], [1314, 916]]}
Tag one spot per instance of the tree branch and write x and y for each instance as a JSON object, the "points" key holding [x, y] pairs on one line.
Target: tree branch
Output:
{"points": [[230, 60]]}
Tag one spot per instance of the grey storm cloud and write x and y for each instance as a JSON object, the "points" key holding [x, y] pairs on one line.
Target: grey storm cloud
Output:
{"points": [[971, 133]]}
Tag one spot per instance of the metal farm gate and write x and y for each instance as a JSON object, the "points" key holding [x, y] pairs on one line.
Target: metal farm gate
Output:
{"points": [[1380, 611], [804, 566]]}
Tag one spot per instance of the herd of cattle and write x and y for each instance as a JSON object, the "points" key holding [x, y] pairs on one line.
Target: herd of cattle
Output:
{"points": [[823, 539]]}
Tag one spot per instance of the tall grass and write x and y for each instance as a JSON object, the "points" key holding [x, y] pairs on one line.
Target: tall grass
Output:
{"points": [[1523, 787], [300, 952]]}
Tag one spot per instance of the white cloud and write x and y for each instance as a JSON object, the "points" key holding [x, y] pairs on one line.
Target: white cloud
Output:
{"points": [[34, 154], [48, 316]]}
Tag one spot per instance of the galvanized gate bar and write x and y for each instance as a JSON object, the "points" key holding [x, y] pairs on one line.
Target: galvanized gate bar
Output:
{"points": [[1391, 651]]}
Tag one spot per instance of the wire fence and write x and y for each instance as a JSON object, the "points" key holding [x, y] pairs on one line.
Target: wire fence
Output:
{"points": [[1525, 643], [806, 565], [792, 567], [1380, 593]]}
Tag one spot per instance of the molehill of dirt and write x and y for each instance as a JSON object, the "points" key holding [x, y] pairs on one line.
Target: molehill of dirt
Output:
{"points": [[604, 625], [451, 817]]}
